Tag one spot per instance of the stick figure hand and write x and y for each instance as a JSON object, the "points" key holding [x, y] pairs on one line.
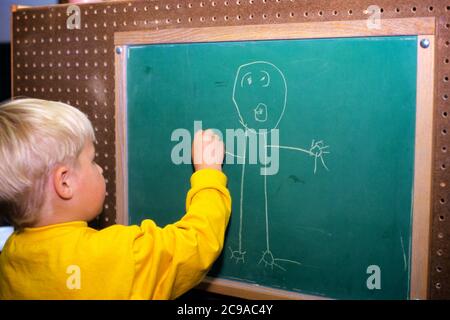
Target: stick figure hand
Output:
{"points": [[317, 150]]}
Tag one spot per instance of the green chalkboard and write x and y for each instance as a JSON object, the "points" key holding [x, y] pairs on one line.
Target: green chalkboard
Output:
{"points": [[333, 216]]}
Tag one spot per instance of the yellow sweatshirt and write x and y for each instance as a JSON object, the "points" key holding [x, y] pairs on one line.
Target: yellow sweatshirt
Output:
{"points": [[72, 261]]}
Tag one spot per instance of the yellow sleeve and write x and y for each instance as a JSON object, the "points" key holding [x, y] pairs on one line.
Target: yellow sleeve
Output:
{"points": [[171, 260]]}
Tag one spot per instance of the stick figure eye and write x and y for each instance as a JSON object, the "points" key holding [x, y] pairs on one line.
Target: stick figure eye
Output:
{"points": [[247, 78], [265, 79]]}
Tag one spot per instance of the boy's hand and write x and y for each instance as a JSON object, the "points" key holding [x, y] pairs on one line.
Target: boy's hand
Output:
{"points": [[207, 150]]}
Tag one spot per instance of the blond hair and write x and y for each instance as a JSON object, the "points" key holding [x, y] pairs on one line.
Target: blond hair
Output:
{"points": [[36, 135]]}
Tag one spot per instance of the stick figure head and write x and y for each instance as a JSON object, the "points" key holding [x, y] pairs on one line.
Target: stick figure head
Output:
{"points": [[259, 95]]}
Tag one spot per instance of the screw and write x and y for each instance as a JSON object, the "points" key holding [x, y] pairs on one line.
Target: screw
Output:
{"points": [[425, 43], [119, 50]]}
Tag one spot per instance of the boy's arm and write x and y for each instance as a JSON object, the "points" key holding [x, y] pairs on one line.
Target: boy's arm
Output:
{"points": [[172, 260]]}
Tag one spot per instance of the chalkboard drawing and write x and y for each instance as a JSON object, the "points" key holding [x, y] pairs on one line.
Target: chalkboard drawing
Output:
{"points": [[261, 112], [260, 96]]}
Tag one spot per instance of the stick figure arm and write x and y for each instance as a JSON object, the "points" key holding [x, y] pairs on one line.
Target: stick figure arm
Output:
{"points": [[309, 152], [317, 150], [233, 155]]}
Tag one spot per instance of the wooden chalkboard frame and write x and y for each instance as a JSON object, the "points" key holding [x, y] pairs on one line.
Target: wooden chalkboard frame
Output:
{"points": [[424, 28]]}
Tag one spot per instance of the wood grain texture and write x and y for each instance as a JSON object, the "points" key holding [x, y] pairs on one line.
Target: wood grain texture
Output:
{"points": [[249, 291], [121, 137], [331, 29], [423, 169]]}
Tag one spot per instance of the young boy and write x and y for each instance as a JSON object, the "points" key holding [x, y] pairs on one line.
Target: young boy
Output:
{"points": [[52, 186]]}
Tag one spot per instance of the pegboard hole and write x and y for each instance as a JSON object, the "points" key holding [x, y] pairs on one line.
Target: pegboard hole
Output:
{"points": [[445, 97], [443, 166], [441, 218], [438, 269], [440, 252], [335, 13], [320, 13], [444, 149], [440, 235], [438, 285], [444, 114], [442, 201], [442, 184], [414, 9], [306, 13], [445, 78], [430, 8], [278, 15], [350, 12], [446, 60], [444, 132]]}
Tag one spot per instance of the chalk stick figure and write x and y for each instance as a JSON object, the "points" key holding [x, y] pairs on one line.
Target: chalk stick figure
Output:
{"points": [[260, 97]]}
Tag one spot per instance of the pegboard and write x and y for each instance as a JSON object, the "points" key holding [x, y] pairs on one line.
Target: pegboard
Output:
{"points": [[76, 66]]}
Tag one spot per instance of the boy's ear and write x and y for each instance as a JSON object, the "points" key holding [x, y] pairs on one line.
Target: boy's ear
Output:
{"points": [[62, 182]]}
